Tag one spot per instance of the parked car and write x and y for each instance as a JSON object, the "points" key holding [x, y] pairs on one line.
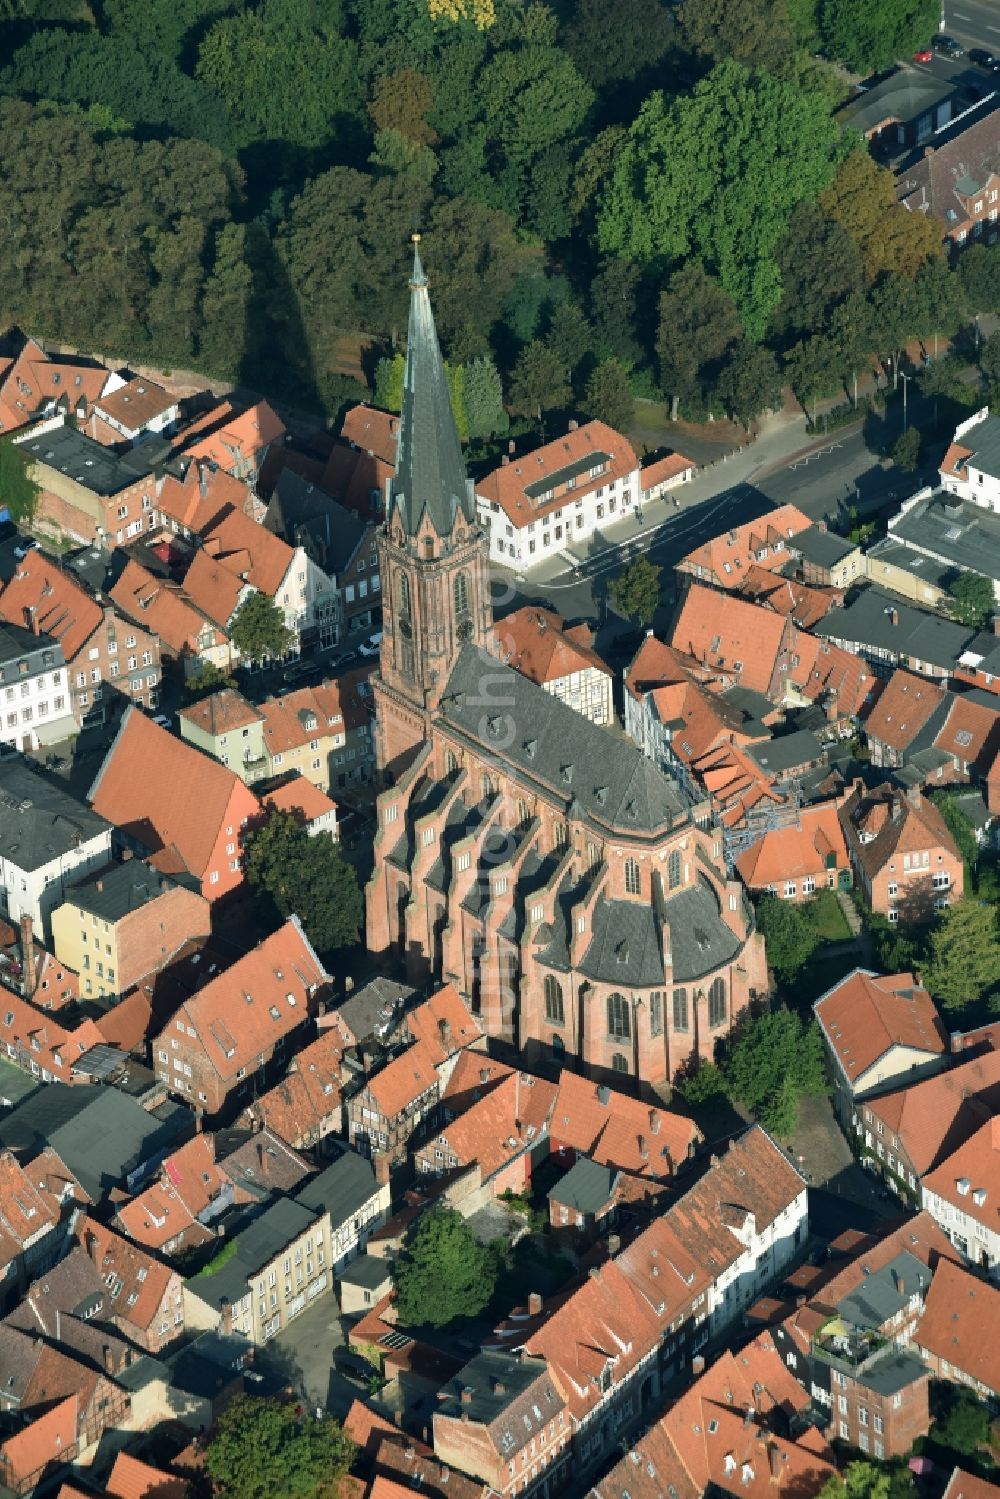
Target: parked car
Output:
{"points": [[372, 645], [947, 45], [29, 544], [923, 54], [347, 659], [985, 59], [162, 720]]}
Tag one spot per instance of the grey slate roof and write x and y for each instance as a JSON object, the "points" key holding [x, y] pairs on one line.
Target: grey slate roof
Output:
{"points": [[786, 751], [904, 95], [89, 463], [39, 820], [896, 553], [984, 440], [41, 652], [822, 547], [548, 744], [956, 532], [375, 1009], [113, 892], [102, 1135], [917, 634], [342, 1189], [367, 1271], [495, 1381], [625, 947], [586, 1187], [888, 1375], [277, 1227], [430, 470], [305, 515], [882, 1295]]}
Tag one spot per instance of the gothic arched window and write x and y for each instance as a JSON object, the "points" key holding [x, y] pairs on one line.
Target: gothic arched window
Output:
{"points": [[460, 590], [674, 870], [619, 1019], [716, 1003], [553, 1000], [632, 878]]}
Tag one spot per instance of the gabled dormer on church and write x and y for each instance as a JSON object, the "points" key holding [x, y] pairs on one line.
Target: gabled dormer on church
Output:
{"points": [[433, 554]]}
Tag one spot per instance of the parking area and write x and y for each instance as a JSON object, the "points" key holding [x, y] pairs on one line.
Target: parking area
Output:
{"points": [[302, 1355], [824, 1158]]}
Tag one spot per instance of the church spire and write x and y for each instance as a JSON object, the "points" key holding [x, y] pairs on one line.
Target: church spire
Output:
{"points": [[430, 470]]}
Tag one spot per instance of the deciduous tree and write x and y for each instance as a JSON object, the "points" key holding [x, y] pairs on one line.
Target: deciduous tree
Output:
{"points": [[538, 382], [698, 326], [636, 590], [295, 874], [979, 269], [862, 198], [773, 1061], [906, 450], [750, 382], [611, 46], [258, 630], [869, 37], [964, 963], [261, 1448], [402, 101], [971, 599], [756, 33], [206, 680], [609, 395], [445, 1274], [789, 936]]}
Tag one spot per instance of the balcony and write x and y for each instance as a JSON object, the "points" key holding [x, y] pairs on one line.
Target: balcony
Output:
{"points": [[850, 1349]]}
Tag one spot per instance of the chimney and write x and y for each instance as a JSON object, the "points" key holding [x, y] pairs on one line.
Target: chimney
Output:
{"points": [[643, 1148], [654, 1122], [98, 884], [511, 446], [29, 619], [534, 1303], [126, 855], [614, 1245], [821, 525], [108, 1359], [894, 616], [444, 1026], [573, 425], [202, 480], [697, 1365], [800, 1300], [260, 1156], [27, 957], [913, 795], [499, 1388], [504, 461], [467, 1394], [603, 1095]]}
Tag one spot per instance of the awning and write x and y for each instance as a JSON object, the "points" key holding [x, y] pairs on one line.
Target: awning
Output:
{"points": [[58, 730]]}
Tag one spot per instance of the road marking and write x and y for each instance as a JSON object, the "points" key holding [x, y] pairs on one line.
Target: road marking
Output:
{"points": [[960, 17]]}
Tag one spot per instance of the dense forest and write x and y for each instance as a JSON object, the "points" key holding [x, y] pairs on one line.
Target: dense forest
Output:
{"points": [[618, 197]]}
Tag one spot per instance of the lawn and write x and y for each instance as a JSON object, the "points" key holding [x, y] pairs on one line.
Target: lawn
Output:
{"points": [[828, 920]]}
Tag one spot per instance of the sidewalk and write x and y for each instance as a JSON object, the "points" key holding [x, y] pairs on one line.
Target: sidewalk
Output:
{"points": [[782, 437]]}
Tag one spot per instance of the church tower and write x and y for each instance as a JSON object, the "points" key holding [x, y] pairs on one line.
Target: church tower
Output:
{"points": [[432, 550]]}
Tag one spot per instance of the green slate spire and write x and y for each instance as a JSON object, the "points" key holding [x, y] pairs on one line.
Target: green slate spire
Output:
{"points": [[430, 470]]}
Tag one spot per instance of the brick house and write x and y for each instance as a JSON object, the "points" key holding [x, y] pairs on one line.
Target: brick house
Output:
{"points": [[89, 494], [109, 660], [961, 1196], [120, 923], [905, 859], [223, 1040], [905, 1134], [188, 638], [504, 1419], [878, 1028], [66, 1404], [958, 1335], [234, 440], [583, 1204], [198, 833], [35, 384], [958, 183], [30, 1237], [340, 543], [126, 408], [306, 1106], [537, 643], [906, 705]]}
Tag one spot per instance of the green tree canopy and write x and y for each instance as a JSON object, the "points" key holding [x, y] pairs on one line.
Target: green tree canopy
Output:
{"points": [[258, 629], [538, 382], [612, 47], [698, 327], [906, 450], [714, 176], [820, 266], [262, 1448], [961, 1422], [964, 964], [773, 1061], [483, 393], [789, 936], [871, 36], [299, 875], [979, 271], [971, 599], [444, 1274], [750, 382], [609, 395], [860, 1480], [636, 590], [206, 680], [862, 199], [755, 33], [958, 825]]}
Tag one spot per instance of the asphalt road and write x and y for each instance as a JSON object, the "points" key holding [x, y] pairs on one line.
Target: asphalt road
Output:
{"points": [[975, 22]]}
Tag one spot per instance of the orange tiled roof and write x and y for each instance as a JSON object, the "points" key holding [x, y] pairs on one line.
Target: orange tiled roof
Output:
{"points": [[357, 480], [740, 639], [894, 823], [507, 485], [954, 461], [214, 590], [961, 1323], [226, 435], [662, 469], [797, 601], [904, 705], [976, 1165], [132, 791], [335, 706], [160, 605], [158, 1217], [867, 1014], [309, 1095], [199, 494], [300, 796], [962, 1485], [535, 642], [140, 1274], [764, 542], [32, 381], [245, 548], [820, 670], [375, 432], [54, 603], [444, 1024], [932, 1116], [970, 733], [132, 1479], [244, 1009], [497, 1128], [47, 1439], [26, 1210], [624, 1132], [790, 853], [221, 712]]}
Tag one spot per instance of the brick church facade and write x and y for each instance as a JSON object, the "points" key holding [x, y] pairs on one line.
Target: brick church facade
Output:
{"points": [[549, 871]]}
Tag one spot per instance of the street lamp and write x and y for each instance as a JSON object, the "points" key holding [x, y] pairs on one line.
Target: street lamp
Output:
{"points": [[906, 380]]}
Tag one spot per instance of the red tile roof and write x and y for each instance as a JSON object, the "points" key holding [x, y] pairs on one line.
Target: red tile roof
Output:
{"points": [[823, 671], [253, 554], [971, 733], [34, 379], [46, 599], [308, 1098], [623, 1132], [931, 1117], [375, 432], [507, 485], [199, 494], [300, 796], [337, 704], [26, 1213], [962, 1485], [227, 436], [132, 1479], [536, 643], [903, 707], [50, 1438], [221, 712], [726, 559], [961, 1324], [739, 639], [214, 590], [264, 995], [969, 1178], [868, 1014], [160, 605], [133, 785], [886, 824], [790, 853], [140, 1274], [662, 470], [498, 1128], [805, 605], [444, 1024], [135, 403]]}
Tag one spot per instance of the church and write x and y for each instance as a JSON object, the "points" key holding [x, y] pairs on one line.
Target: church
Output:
{"points": [[569, 889]]}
